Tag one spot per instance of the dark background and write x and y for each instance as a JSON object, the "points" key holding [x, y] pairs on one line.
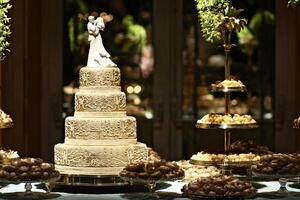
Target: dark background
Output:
{"points": [[36, 69]]}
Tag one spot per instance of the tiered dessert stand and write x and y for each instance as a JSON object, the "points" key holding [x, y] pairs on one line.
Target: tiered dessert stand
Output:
{"points": [[227, 90]]}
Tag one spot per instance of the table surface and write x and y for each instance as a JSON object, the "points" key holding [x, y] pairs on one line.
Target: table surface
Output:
{"points": [[172, 191]]}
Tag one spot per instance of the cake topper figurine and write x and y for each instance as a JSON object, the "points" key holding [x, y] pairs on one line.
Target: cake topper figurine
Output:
{"points": [[98, 56]]}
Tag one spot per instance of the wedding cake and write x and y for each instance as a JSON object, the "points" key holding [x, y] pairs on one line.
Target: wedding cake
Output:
{"points": [[100, 139]]}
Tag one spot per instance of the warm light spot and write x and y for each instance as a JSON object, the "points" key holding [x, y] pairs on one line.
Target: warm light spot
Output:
{"points": [[137, 101], [130, 89], [137, 89]]}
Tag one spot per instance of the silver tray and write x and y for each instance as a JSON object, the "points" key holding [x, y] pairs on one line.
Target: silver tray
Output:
{"points": [[193, 196], [226, 126], [223, 164]]}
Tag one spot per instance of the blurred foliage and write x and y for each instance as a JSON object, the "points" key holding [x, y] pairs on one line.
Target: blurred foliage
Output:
{"points": [[77, 28], [210, 15], [218, 19], [259, 18], [4, 28], [249, 36], [293, 3], [133, 38]]}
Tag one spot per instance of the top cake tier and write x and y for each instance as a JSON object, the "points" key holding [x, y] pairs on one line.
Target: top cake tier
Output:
{"points": [[99, 77]]}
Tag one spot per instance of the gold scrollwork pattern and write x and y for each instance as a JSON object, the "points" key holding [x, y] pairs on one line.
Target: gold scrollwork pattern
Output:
{"points": [[110, 102], [99, 156], [99, 77], [100, 128]]}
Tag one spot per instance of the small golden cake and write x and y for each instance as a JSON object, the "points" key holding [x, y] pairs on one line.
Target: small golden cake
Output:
{"points": [[228, 83], [297, 123], [6, 157], [5, 119]]}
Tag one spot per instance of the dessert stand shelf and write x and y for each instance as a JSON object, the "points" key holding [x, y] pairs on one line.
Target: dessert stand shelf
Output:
{"points": [[226, 126], [223, 164], [228, 89]]}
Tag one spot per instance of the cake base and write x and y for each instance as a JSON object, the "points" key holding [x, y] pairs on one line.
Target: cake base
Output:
{"points": [[93, 171], [100, 160]]}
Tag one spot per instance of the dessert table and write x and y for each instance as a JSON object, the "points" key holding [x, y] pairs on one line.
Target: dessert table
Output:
{"points": [[170, 192]]}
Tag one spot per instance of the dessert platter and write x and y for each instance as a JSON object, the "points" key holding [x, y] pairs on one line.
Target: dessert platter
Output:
{"points": [[277, 166], [248, 146], [16, 170], [226, 121], [225, 160], [229, 85], [219, 187], [193, 172], [152, 172], [100, 139], [5, 120]]}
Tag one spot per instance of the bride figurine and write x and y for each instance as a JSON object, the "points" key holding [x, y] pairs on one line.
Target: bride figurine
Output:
{"points": [[98, 56]]}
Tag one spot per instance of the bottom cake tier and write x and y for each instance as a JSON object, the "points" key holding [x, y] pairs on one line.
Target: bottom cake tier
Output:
{"points": [[97, 160]]}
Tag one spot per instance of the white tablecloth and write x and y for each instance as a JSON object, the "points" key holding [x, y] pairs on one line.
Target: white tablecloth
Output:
{"points": [[16, 192]]}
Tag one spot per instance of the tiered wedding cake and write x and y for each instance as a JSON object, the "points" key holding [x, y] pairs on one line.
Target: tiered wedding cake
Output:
{"points": [[100, 139]]}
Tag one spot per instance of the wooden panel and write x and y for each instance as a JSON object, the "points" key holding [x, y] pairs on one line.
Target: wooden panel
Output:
{"points": [[297, 41], [286, 80], [161, 34], [167, 23], [176, 79], [32, 78], [32, 74], [13, 79], [51, 63]]}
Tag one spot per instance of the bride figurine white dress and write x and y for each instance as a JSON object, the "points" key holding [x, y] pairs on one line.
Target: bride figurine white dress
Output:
{"points": [[98, 56]]}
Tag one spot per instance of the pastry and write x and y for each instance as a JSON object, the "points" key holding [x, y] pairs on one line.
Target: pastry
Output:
{"points": [[219, 186], [228, 83], [279, 163], [226, 119], [193, 172], [247, 147], [5, 119], [157, 169], [220, 158], [297, 123], [7, 156], [28, 169]]}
